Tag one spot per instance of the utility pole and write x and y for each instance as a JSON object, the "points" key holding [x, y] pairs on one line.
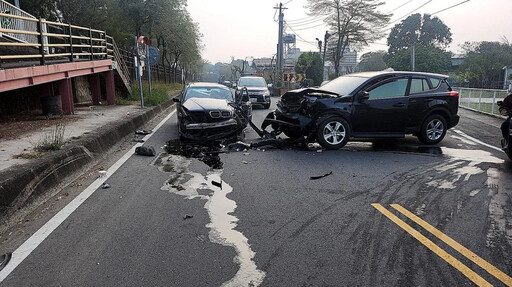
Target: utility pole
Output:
{"points": [[326, 37], [280, 41]]}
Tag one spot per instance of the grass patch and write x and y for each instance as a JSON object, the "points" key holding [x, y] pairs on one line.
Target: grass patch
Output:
{"points": [[52, 140], [160, 92]]}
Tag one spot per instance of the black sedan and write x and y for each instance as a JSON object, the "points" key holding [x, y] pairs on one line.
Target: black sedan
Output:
{"points": [[369, 105], [210, 112]]}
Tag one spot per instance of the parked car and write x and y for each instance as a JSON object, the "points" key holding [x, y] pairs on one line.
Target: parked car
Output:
{"points": [[257, 88], [211, 112], [369, 105]]}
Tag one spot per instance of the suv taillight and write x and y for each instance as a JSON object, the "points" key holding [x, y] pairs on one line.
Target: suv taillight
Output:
{"points": [[454, 94]]}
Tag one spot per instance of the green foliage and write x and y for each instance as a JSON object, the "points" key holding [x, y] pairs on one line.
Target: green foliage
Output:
{"points": [[352, 23], [160, 93], [166, 22], [52, 140], [417, 29], [484, 62], [372, 61], [310, 63], [428, 59]]}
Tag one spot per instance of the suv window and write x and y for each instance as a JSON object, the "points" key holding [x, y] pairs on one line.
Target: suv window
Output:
{"points": [[435, 82], [252, 82], [393, 89], [419, 85]]}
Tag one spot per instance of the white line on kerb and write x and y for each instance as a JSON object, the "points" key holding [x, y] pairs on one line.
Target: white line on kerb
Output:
{"points": [[477, 141], [31, 244]]}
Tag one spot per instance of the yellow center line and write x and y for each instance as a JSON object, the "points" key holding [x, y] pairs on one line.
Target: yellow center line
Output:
{"points": [[433, 247], [455, 245]]}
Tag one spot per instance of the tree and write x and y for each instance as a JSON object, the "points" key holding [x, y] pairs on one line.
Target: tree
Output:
{"points": [[356, 22], [427, 59], [417, 29], [310, 63], [429, 36], [372, 61], [483, 63]]}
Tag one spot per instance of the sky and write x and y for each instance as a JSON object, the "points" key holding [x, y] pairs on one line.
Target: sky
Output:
{"points": [[249, 28]]}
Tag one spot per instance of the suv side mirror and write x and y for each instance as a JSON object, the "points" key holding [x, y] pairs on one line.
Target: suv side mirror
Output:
{"points": [[363, 96], [176, 99]]}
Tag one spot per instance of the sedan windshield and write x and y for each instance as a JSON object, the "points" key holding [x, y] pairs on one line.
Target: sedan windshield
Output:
{"points": [[208, 92], [344, 85], [252, 82]]}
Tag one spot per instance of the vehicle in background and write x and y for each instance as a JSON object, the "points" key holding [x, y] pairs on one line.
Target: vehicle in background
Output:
{"points": [[369, 105], [210, 112], [257, 88]]}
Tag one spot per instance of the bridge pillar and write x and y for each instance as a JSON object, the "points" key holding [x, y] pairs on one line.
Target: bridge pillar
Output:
{"points": [[111, 88], [66, 96], [94, 81]]}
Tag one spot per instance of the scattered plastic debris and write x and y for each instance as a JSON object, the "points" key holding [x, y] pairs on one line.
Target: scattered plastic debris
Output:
{"points": [[105, 185], [239, 146], [102, 173], [320, 176], [187, 216], [143, 132], [4, 259], [217, 184], [245, 162], [147, 151]]}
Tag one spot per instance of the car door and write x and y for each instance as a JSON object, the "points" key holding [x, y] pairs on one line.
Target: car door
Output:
{"points": [[383, 109]]}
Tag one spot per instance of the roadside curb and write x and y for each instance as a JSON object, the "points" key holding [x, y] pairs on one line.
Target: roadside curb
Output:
{"points": [[21, 184]]}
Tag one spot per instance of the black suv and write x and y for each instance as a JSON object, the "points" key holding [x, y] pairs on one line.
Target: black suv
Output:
{"points": [[369, 105], [257, 88]]}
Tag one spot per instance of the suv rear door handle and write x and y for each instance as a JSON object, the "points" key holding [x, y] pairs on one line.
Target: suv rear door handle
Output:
{"points": [[399, 105]]}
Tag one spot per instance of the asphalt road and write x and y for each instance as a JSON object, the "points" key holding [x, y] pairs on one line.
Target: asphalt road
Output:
{"points": [[393, 213]]}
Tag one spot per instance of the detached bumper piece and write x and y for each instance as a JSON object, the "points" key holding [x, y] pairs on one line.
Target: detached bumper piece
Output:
{"points": [[202, 126]]}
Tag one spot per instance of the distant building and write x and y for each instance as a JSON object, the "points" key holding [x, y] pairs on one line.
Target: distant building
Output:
{"points": [[347, 64], [457, 60]]}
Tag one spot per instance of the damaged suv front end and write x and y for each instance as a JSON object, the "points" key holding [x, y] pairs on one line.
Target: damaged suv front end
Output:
{"points": [[299, 112]]}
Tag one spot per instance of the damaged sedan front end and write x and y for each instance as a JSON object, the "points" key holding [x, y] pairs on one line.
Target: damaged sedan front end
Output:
{"points": [[210, 112]]}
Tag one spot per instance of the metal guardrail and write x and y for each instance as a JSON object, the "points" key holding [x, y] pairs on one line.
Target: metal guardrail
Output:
{"points": [[17, 24], [481, 100]]}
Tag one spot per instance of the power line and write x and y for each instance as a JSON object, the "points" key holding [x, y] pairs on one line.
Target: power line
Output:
{"points": [[399, 6], [307, 28], [421, 6], [298, 36], [309, 21], [450, 7]]}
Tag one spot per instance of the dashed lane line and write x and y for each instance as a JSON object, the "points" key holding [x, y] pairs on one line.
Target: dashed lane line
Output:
{"points": [[477, 140]]}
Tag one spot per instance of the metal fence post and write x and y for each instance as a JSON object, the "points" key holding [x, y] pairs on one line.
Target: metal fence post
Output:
{"points": [[71, 57], [41, 41], [92, 44], [493, 102], [469, 98], [480, 101]]}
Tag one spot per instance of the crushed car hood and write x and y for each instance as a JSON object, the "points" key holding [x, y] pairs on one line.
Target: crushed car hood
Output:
{"points": [[204, 104]]}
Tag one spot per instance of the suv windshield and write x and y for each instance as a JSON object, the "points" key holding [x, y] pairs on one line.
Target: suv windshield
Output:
{"points": [[252, 82], [344, 85]]}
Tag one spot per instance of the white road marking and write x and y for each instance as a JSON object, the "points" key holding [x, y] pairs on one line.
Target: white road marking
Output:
{"points": [[31, 244], [477, 141]]}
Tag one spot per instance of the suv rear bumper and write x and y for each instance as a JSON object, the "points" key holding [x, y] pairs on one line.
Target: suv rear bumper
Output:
{"points": [[454, 121]]}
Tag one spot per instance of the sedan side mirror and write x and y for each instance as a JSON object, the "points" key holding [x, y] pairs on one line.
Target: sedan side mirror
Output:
{"points": [[363, 96]]}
